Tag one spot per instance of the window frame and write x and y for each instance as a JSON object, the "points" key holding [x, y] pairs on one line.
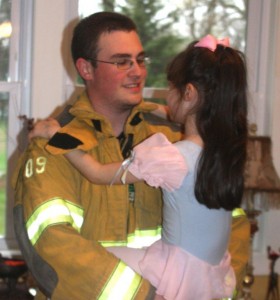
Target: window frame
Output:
{"points": [[18, 88], [260, 32]]}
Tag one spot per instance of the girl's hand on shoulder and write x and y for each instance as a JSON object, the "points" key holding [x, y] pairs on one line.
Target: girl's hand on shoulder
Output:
{"points": [[44, 128]]}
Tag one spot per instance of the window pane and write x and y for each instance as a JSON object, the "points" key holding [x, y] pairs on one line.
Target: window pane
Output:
{"points": [[166, 28], [4, 99], [5, 33]]}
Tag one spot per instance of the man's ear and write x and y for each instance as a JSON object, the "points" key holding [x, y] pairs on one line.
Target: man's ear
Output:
{"points": [[84, 68]]}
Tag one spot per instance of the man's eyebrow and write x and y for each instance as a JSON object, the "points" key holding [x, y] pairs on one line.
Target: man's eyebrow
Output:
{"points": [[126, 55]]}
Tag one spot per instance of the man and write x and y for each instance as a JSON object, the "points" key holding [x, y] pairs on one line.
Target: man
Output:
{"points": [[63, 222]]}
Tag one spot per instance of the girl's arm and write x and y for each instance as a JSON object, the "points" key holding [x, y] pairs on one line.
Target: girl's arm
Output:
{"points": [[96, 172], [155, 161], [44, 128], [93, 170], [161, 110]]}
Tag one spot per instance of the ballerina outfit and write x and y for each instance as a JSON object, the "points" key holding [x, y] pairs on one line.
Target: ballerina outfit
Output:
{"points": [[191, 260]]}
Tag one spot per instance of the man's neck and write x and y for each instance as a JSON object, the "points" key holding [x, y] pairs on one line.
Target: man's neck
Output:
{"points": [[118, 123], [117, 118], [117, 115]]}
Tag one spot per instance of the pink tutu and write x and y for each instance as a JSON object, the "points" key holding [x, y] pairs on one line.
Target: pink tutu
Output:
{"points": [[159, 163], [178, 275]]}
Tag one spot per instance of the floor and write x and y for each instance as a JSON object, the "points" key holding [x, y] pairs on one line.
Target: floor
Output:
{"points": [[260, 289], [15, 289]]}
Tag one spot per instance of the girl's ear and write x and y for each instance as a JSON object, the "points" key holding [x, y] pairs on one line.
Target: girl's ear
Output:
{"points": [[190, 93], [84, 68]]}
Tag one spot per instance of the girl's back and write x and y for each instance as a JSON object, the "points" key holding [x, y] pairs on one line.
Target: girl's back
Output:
{"points": [[188, 224]]}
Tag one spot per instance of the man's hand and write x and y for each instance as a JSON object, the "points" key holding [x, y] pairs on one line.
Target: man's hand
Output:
{"points": [[44, 128]]}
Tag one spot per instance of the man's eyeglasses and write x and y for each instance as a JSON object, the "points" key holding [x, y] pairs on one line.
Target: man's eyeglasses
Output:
{"points": [[126, 63]]}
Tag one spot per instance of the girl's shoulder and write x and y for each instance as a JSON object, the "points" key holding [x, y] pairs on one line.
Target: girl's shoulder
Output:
{"points": [[190, 151], [188, 146]]}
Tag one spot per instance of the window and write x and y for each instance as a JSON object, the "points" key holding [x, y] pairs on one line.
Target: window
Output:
{"points": [[167, 28], [15, 17], [5, 35]]}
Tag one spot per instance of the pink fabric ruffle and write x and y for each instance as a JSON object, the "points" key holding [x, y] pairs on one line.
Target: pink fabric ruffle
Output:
{"points": [[178, 275], [159, 163]]}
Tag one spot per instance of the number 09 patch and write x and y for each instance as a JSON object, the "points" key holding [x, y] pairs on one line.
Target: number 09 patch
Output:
{"points": [[35, 166]]}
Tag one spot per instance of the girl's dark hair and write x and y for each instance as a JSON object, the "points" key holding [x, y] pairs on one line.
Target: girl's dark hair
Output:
{"points": [[88, 31], [221, 118]]}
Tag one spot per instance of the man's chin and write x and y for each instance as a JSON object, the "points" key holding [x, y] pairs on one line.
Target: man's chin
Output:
{"points": [[131, 103], [135, 100]]}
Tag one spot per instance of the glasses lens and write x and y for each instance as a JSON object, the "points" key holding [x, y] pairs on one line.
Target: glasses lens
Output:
{"points": [[143, 62], [124, 64]]}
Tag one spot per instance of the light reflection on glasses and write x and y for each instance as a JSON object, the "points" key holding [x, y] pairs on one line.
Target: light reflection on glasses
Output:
{"points": [[125, 63]]}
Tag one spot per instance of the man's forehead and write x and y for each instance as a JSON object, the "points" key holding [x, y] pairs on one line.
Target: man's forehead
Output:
{"points": [[120, 42]]}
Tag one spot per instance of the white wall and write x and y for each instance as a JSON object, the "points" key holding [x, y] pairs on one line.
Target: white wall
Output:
{"points": [[48, 73], [275, 121], [269, 124], [49, 91]]}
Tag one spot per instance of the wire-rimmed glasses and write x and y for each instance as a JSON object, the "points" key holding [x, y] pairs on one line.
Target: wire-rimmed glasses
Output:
{"points": [[126, 63]]}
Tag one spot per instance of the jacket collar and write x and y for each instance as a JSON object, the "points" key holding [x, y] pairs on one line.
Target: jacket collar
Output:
{"points": [[83, 110]]}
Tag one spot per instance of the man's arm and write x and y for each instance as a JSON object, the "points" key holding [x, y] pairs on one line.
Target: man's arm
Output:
{"points": [[75, 267], [239, 245]]}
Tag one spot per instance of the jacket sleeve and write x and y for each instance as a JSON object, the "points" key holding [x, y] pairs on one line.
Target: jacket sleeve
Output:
{"points": [[48, 224], [239, 245]]}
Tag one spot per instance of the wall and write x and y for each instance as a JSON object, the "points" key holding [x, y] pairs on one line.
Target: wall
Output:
{"points": [[269, 221], [275, 121], [48, 73]]}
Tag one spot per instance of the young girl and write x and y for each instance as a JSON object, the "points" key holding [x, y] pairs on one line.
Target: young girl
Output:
{"points": [[208, 96]]}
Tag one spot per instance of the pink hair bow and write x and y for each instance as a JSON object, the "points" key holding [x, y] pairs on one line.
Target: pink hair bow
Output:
{"points": [[210, 42]]}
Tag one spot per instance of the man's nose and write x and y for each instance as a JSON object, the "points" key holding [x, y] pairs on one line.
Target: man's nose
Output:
{"points": [[136, 69]]}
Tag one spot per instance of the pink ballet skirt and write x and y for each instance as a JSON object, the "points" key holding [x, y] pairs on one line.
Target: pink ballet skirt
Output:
{"points": [[159, 163], [178, 275]]}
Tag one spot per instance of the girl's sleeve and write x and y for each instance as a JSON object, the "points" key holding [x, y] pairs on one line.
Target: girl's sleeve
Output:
{"points": [[78, 134], [159, 163]]}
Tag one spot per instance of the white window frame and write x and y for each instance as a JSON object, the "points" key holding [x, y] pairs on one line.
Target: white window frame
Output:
{"points": [[18, 88], [260, 33]]}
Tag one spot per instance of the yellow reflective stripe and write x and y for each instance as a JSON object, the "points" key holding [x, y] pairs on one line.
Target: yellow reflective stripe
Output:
{"points": [[138, 239], [237, 212], [122, 285], [53, 212], [143, 238]]}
